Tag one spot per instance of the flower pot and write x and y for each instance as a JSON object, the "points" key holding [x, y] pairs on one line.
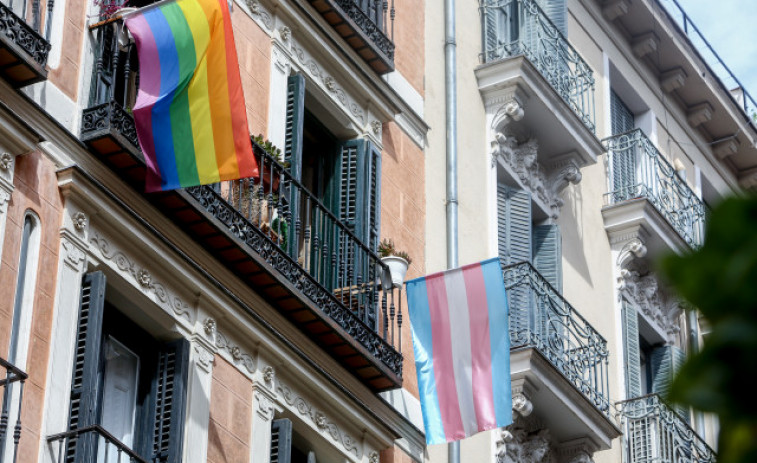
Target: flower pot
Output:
{"points": [[397, 269]]}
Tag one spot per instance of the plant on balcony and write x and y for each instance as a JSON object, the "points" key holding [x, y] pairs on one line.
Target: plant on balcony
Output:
{"points": [[397, 261], [109, 7]]}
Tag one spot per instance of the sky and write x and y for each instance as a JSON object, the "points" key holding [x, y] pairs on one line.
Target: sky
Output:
{"points": [[731, 28]]}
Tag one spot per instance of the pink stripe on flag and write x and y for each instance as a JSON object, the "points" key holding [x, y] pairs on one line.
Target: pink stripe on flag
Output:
{"points": [[443, 362], [149, 90], [478, 308]]}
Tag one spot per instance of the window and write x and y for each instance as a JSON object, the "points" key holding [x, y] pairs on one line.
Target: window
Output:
{"points": [[125, 381], [288, 446]]}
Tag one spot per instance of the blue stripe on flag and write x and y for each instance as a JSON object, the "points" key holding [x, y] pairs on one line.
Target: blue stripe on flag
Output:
{"points": [[500, 340], [420, 320]]}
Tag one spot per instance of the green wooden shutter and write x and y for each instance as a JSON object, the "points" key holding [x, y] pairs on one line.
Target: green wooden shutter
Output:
{"points": [[623, 162], [281, 441], [169, 394], [514, 243], [557, 12], [547, 254], [295, 117], [665, 362], [84, 404], [632, 350]]}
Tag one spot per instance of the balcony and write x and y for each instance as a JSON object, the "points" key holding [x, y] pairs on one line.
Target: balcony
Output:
{"points": [[13, 394], [528, 62], [654, 433], [641, 177], [94, 443], [23, 51], [564, 358], [366, 25], [272, 233]]}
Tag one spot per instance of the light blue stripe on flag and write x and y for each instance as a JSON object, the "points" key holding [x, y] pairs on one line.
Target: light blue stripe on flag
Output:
{"points": [[420, 320], [500, 340]]}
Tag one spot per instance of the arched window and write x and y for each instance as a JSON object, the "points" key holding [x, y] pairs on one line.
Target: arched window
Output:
{"points": [[24, 294]]}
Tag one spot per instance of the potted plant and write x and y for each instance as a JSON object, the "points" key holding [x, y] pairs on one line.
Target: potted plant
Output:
{"points": [[397, 261]]}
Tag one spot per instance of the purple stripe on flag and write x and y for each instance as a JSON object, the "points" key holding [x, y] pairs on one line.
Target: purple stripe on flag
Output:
{"points": [[443, 361], [149, 90], [480, 346]]}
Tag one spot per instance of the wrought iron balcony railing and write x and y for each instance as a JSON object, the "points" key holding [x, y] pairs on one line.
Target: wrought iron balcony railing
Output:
{"points": [[366, 25], [276, 219], [636, 169], [654, 433], [23, 49], [13, 394], [94, 444], [520, 27], [541, 318]]}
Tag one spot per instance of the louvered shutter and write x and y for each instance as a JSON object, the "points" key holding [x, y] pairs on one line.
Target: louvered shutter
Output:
{"points": [[623, 162], [295, 117], [632, 351], [665, 362], [514, 242], [557, 12], [169, 392], [84, 406], [281, 441], [548, 254], [491, 30]]}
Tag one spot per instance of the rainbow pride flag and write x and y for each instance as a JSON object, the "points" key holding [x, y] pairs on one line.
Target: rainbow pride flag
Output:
{"points": [[190, 113], [462, 350]]}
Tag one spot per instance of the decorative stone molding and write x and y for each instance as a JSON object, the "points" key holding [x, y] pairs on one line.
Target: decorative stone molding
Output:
{"points": [[5, 197], [323, 424], [237, 355], [285, 33], [522, 160], [659, 307], [204, 357], [577, 451], [129, 268], [311, 66], [258, 12], [209, 326], [510, 111], [633, 249], [265, 404], [74, 255], [376, 127], [79, 220], [373, 457], [522, 405], [268, 374], [6, 161], [519, 445]]}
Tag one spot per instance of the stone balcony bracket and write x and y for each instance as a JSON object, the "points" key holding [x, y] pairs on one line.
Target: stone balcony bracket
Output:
{"points": [[727, 147], [614, 9], [699, 114], [673, 79], [644, 44]]}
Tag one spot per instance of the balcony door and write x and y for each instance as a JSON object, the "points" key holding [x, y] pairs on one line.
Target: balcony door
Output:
{"points": [[624, 162], [119, 402]]}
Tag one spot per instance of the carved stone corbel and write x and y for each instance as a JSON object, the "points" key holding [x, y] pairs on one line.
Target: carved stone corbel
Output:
{"points": [[577, 451], [563, 174], [633, 249]]}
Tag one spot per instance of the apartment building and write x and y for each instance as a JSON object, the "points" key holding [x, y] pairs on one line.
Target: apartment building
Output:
{"points": [[245, 321], [593, 136]]}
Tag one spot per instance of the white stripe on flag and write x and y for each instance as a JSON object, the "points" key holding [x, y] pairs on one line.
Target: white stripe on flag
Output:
{"points": [[459, 320]]}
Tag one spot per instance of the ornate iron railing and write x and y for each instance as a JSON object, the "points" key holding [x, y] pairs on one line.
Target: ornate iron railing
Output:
{"points": [[654, 433], [520, 27], [375, 18], [23, 25], [728, 80], [95, 444], [292, 229], [541, 318], [636, 169], [276, 216], [13, 395]]}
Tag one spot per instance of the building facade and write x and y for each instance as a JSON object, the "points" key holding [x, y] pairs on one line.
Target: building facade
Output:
{"points": [[593, 136], [245, 321]]}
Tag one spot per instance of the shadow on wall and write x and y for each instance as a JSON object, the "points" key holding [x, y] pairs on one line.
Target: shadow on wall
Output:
{"points": [[572, 212]]}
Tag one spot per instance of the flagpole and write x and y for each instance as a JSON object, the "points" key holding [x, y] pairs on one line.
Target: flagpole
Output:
{"points": [[450, 62]]}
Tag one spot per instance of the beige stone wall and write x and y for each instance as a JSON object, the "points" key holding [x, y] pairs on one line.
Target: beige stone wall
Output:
{"points": [[230, 424], [36, 189], [254, 54]]}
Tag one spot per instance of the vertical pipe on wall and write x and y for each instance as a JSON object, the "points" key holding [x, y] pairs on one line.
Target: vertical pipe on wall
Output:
{"points": [[450, 90]]}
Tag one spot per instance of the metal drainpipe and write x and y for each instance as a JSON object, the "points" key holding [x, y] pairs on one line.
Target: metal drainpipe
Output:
{"points": [[450, 90], [694, 345]]}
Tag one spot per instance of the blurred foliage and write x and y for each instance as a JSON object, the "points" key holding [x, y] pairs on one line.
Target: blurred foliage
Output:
{"points": [[720, 279]]}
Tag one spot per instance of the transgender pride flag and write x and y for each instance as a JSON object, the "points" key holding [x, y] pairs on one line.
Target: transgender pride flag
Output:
{"points": [[462, 350]]}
